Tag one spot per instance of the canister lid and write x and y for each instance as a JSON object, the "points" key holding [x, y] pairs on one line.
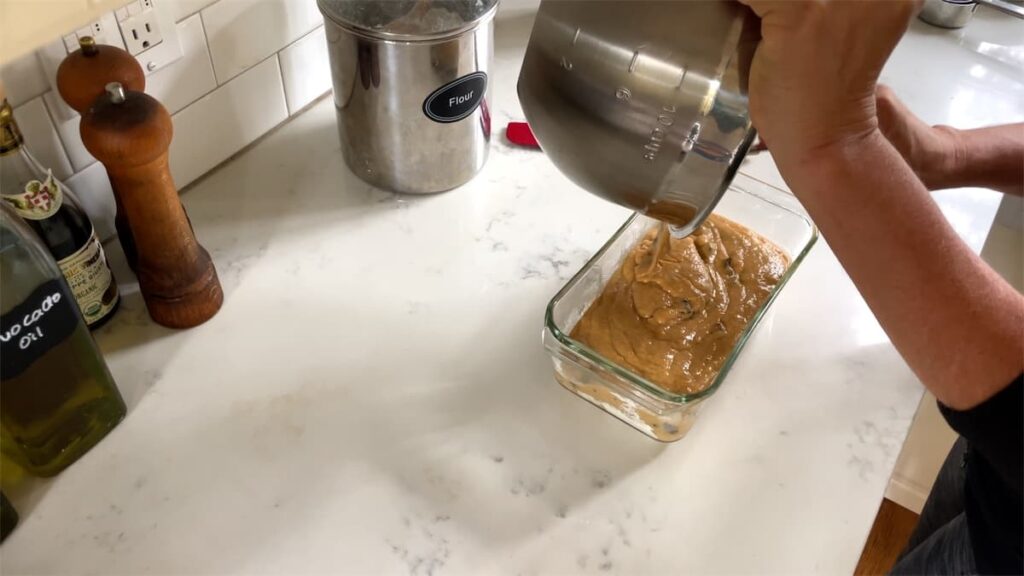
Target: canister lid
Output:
{"points": [[407, 20]]}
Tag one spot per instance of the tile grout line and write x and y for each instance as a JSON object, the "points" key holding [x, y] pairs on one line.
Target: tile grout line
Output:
{"points": [[60, 138], [219, 86], [258, 140], [284, 90], [209, 58], [209, 53], [284, 82], [246, 69], [248, 145]]}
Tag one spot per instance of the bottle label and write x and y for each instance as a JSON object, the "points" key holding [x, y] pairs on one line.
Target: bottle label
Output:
{"points": [[46, 318], [90, 279], [39, 201]]}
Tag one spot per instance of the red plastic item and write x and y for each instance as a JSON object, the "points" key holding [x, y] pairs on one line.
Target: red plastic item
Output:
{"points": [[519, 133]]}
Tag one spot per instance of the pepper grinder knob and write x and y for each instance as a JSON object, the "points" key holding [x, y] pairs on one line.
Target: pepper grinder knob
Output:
{"points": [[116, 92], [83, 75]]}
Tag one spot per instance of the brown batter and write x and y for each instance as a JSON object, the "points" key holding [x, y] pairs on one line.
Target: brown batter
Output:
{"points": [[675, 309]]}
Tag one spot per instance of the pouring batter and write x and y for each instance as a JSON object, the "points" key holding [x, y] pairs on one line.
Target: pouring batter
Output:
{"points": [[675, 309]]}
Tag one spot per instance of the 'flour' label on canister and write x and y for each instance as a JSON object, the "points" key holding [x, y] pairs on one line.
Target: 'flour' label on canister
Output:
{"points": [[457, 99]]}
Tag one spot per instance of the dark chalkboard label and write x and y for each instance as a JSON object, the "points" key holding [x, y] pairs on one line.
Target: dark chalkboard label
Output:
{"points": [[457, 99], [46, 318]]}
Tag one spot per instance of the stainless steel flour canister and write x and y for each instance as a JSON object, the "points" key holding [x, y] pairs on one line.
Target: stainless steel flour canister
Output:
{"points": [[411, 89], [643, 102]]}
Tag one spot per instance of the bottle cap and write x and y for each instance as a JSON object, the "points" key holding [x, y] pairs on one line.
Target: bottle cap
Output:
{"points": [[10, 136], [88, 46]]}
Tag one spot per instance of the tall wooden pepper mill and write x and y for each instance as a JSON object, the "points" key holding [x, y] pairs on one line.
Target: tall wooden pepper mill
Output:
{"points": [[81, 79], [130, 132]]}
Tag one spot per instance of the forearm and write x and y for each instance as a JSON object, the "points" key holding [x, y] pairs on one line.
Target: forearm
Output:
{"points": [[956, 322], [990, 157]]}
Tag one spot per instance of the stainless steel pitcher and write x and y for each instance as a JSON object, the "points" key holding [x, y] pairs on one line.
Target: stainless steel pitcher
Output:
{"points": [[643, 102]]}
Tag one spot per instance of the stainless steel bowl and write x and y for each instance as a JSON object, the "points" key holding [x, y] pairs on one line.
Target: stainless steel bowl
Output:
{"points": [[643, 102]]}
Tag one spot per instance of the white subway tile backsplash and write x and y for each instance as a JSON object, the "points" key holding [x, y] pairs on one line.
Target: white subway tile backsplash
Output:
{"points": [[243, 32], [69, 135], [189, 78], [175, 86], [209, 131], [246, 65], [306, 70], [181, 9], [23, 79], [50, 57], [92, 188], [41, 137]]}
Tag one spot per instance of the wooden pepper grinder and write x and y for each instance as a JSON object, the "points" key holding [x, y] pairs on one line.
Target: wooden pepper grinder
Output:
{"points": [[81, 79], [130, 132]]}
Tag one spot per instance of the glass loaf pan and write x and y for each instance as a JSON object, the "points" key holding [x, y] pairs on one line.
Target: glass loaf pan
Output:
{"points": [[658, 413]]}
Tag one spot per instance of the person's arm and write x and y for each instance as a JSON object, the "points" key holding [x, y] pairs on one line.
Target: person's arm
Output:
{"points": [[945, 157], [958, 325], [991, 157]]}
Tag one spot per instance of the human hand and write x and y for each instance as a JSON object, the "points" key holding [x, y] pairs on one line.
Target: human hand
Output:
{"points": [[933, 152], [813, 76]]}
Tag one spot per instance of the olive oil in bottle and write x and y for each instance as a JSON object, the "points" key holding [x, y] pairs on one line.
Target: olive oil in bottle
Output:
{"points": [[53, 213], [57, 398]]}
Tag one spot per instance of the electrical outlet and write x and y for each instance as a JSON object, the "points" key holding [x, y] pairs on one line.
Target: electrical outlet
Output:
{"points": [[149, 34], [141, 31]]}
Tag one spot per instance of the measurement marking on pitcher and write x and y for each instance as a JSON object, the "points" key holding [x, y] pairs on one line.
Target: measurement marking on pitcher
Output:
{"points": [[682, 78], [666, 118]]}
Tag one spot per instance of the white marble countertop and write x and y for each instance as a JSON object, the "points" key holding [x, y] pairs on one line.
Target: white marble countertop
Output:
{"points": [[374, 396]]}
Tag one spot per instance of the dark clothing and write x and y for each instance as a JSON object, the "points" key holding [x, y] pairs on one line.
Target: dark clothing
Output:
{"points": [[941, 543], [993, 502], [973, 521]]}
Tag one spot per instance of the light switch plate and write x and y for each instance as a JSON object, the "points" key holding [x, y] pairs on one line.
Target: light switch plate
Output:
{"points": [[103, 31]]}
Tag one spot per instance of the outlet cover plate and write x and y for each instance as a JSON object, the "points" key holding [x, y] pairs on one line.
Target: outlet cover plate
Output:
{"points": [[163, 33]]}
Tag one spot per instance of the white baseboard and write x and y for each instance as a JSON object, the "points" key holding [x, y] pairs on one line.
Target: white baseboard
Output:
{"points": [[907, 493]]}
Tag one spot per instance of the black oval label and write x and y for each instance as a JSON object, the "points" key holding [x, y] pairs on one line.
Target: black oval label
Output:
{"points": [[457, 99]]}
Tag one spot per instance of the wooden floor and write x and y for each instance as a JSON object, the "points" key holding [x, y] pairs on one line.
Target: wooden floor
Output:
{"points": [[889, 534]]}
